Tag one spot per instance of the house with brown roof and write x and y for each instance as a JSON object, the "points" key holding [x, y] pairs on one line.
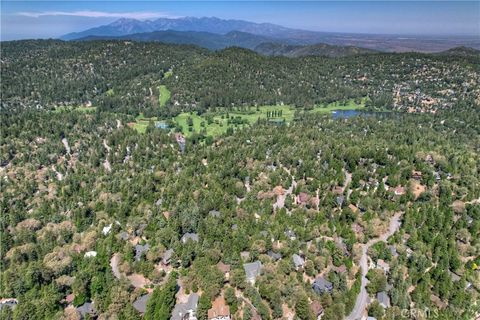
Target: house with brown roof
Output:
{"points": [[417, 175], [399, 191], [317, 309], [303, 198], [353, 208], [220, 310], [383, 265], [337, 190], [340, 269], [225, 269]]}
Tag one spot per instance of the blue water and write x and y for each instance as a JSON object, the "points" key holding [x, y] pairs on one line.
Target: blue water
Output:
{"points": [[162, 125], [345, 114]]}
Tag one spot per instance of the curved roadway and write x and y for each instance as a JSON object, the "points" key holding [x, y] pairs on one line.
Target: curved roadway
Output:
{"points": [[362, 298]]}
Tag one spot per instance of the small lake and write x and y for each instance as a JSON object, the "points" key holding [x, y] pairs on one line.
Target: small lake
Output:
{"points": [[345, 114], [162, 125]]}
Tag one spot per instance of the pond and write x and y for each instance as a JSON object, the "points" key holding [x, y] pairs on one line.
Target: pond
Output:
{"points": [[345, 114], [162, 125]]}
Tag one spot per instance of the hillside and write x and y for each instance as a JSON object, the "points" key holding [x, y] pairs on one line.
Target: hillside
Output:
{"points": [[278, 49], [124, 76], [462, 51], [96, 215], [207, 40]]}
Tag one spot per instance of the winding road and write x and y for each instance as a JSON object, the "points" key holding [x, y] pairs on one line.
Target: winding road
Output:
{"points": [[362, 298]]}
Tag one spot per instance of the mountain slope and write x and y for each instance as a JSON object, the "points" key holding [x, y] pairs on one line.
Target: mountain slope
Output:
{"points": [[204, 24], [320, 49], [462, 51], [207, 40]]}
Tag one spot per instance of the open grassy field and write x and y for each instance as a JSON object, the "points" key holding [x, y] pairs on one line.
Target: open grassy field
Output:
{"points": [[164, 95], [141, 123], [350, 105], [217, 123]]}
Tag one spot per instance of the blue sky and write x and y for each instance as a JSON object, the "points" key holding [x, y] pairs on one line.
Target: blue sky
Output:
{"points": [[44, 19]]}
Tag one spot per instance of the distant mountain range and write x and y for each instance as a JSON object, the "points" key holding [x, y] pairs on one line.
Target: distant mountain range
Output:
{"points": [[125, 26], [260, 44], [215, 33]]}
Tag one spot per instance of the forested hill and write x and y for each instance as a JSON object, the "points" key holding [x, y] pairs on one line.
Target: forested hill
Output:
{"points": [[125, 76], [321, 49], [207, 40]]}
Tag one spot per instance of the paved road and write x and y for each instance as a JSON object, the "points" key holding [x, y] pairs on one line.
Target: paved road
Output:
{"points": [[362, 298]]}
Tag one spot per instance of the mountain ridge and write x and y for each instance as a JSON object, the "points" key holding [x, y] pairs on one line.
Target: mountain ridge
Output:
{"points": [[277, 33], [124, 26]]}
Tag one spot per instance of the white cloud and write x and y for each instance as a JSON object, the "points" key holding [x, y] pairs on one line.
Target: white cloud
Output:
{"points": [[98, 14]]}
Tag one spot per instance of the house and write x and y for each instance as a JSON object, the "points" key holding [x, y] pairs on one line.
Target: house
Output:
{"points": [[381, 264], [140, 229], [417, 175], [341, 269], [88, 308], [353, 208], [219, 310], [167, 255], [214, 213], [90, 254], [317, 309], [340, 199], [429, 159], [337, 190], [141, 303], [245, 255], [180, 140], [123, 235], [189, 236], [275, 256], [383, 299], [321, 285], [8, 303], [399, 191], [455, 277], [225, 269], [437, 301], [69, 298], [290, 234], [106, 229], [187, 310], [140, 250], [303, 198], [252, 271], [298, 261]]}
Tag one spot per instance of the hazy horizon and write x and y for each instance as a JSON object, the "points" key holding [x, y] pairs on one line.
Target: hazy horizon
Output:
{"points": [[42, 19]]}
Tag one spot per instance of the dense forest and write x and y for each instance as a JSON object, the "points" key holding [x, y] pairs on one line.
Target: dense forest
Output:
{"points": [[101, 221], [124, 76]]}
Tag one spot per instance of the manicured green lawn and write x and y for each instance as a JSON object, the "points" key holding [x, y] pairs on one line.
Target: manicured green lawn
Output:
{"points": [[164, 95], [350, 105], [215, 124], [219, 123]]}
